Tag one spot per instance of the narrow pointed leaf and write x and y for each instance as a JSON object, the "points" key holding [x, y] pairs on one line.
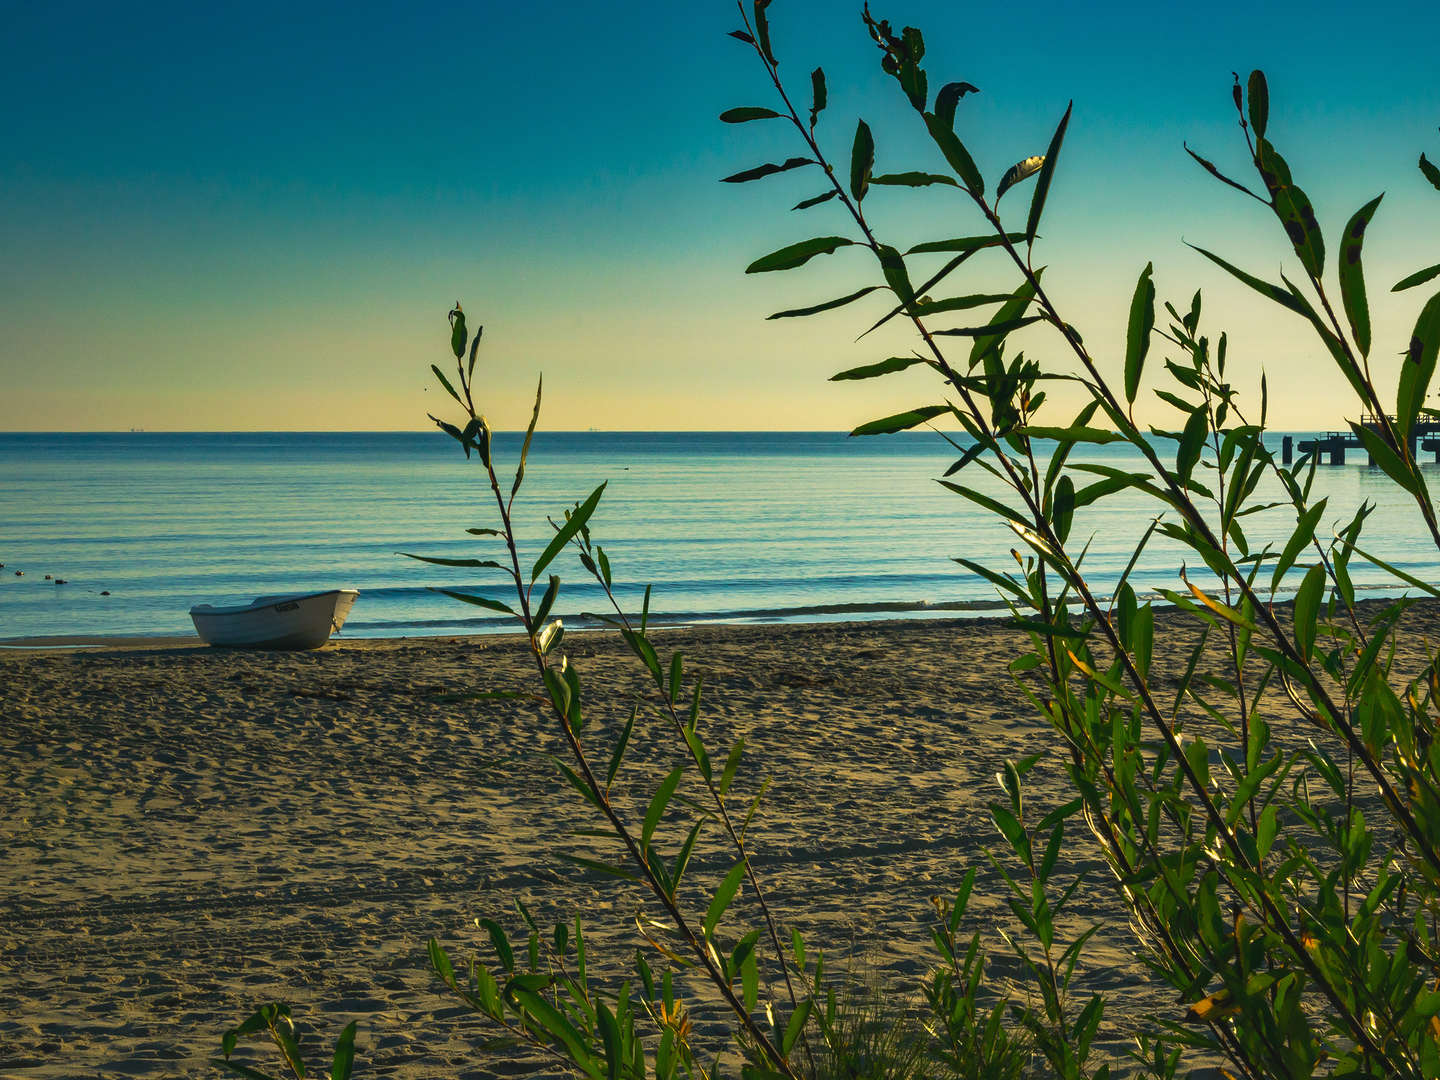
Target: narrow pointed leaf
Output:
{"points": [[747, 113], [478, 601], [1021, 170], [956, 154], [563, 535], [1259, 101], [1292, 207], [1266, 289], [1431, 172], [1137, 339], [817, 95], [795, 313], [1047, 174], [723, 895], [762, 29], [787, 258], [989, 329], [446, 383], [1419, 366], [1307, 609], [862, 160], [1417, 278], [948, 97], [529, 434], [965, 243], [1213, 171], [1352, 277], [959, 303], [913, 179], [489, 563], [761, 171], [658, 804], [884, 367], [824, 196], [901, 421]]}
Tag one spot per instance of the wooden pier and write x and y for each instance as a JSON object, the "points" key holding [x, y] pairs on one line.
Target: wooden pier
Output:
{"points": [[1329, 448]]}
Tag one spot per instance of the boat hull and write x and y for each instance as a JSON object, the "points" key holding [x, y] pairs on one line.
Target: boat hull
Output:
{"points": [[275, 622]]}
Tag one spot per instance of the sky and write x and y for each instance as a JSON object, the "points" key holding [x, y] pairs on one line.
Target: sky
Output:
{"points": [[255, 217]]}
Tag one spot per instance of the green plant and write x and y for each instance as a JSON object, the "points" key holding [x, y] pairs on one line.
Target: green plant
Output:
{"points": [[1301, 933], [1269, 809]]}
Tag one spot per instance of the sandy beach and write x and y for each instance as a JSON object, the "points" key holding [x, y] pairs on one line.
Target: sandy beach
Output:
{"points": [[186, 832]]}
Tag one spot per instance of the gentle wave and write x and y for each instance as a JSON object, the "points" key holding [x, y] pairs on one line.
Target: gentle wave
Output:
{"points": [[727, 526]]}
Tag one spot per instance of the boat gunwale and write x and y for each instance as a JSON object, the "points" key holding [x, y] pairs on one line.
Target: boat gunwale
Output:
{"points": [[260, 603]]}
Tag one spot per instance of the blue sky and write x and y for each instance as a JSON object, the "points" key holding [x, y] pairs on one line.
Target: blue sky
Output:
{"points": [[257, 217]]}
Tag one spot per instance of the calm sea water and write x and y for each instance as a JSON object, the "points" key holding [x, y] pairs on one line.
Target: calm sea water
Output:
{"points": [[727, 526]]}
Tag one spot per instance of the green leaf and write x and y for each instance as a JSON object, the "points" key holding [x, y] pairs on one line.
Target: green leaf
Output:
{"points": [[474, 350], [1192, 441], [478, 601], [901, 421], [965, 243], [1292, 207], [989, 330], [1137, 340], [732, 763], [1383, 456], [787, 258], [1259, 99], [892, 265], [824, 196], [862, 160], [796, 1025], [500, 943], [658, 804], [491, 563], [618, 754], [1417, 278], [529, 434], [747, 113], [817, 95], [762, 30], [566, 531], [723, 895], [1047, 173], [1418, 367], [1303, 534], [1431, 172], [643, 649], [956, 154], [1272, 292], [913, 179], [959, 303], [1352, 278], [1209, 167], [761, 171], [1021, 170], [948, 97], [795, 313], [1006, 315], [884, 367], [1307, 609], [1078, 433], [344, 1058], [537, 617], [610, 1037], [458, 338], [446, 383]]}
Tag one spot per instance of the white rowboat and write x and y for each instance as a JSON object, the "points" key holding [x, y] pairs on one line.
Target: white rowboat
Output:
{"points": [[275, 622]]}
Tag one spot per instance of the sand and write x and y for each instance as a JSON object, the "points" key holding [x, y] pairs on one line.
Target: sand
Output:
{"points": [[186, 833]]}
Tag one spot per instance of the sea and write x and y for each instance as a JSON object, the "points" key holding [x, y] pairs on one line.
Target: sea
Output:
{"points": [[723, 526]]}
